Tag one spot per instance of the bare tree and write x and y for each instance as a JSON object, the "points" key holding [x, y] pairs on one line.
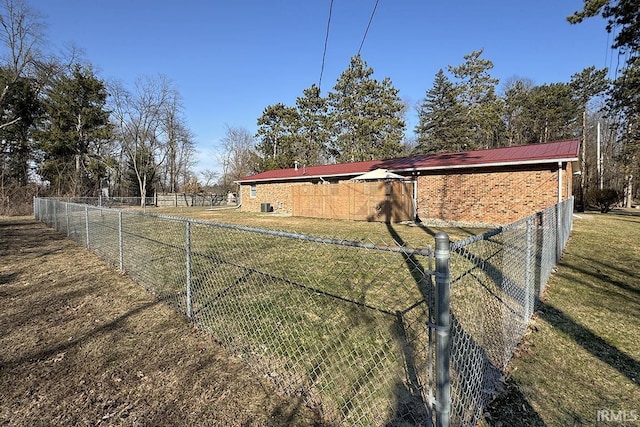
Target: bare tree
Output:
{"points": [[186, 161], [180, 149], [21, 34], [209, 176], [141, 119], [238, 156]]}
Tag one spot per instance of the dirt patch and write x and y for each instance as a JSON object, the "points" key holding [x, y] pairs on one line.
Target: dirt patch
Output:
{"points": [[81, 344]]}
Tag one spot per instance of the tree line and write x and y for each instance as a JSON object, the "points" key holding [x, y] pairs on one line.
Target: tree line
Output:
{"points": [[67, 132], [362, 118]]}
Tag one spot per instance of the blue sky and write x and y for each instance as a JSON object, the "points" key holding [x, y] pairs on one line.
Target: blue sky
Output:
{"points": [[231, 59]]}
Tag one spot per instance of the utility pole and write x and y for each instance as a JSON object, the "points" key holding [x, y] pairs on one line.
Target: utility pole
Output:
{"points": [[600, 184], [583, 160]]}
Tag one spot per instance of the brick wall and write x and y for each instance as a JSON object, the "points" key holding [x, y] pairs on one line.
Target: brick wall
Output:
{"points": [[490, 196], [277, 194], [487, 196]]}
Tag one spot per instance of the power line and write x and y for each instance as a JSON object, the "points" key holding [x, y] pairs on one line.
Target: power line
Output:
{"points": [[611, 36], [620, 53], [606, 54], [326, 41], [375, 6]]}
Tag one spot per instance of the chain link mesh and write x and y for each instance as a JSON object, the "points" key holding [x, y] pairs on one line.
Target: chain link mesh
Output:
{"points": [[496, 280], [341, 323], [346, 325]]}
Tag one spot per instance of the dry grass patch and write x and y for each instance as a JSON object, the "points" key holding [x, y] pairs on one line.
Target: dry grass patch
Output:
{"points": [[81, 344]]}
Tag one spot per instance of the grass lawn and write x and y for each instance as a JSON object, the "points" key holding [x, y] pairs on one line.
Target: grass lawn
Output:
{"points": [[579, 360], [581, 356], [325, 316], [374, 232]]}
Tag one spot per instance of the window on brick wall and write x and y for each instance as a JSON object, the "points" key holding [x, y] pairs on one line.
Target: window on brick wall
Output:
{"points": [[252, 191]]}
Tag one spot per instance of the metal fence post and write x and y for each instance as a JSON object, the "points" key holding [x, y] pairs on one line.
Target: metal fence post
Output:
{"points": [[569, 212], [188, 260], [66, 216], [120, 241], [55, 215], [86, 221], [529, 273], [443, 319], [559, 225]]}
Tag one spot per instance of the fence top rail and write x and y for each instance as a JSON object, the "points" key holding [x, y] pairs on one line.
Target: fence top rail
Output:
{"points": [[427, 251], [457, 245], [476, 238]]}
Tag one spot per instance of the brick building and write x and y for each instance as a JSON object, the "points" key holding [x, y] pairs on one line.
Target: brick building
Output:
{"points": [[495, 186]]}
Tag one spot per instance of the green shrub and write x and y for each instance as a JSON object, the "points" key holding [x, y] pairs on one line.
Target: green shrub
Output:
{"points": [[604, 199]]}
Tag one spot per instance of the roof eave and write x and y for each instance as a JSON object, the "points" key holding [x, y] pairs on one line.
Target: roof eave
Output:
{"points": [[487, 165], [299, 177], [416, 169]]}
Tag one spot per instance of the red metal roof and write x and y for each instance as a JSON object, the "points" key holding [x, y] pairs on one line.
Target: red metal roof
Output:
{"points": [[551, 152]]}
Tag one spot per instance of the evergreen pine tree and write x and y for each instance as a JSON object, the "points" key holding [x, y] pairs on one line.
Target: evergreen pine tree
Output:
{"points": [[441, 124], [366, 116]]}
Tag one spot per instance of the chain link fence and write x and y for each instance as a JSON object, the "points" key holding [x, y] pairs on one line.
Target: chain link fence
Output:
{"points": [[497, 279], [112, 201], [350, 326], [342, 323], [158, 200]]}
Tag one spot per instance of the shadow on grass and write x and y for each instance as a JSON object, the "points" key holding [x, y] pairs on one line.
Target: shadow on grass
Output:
{"points": [[626, 212], [430, 231], [416, 269], [598, 347], [7, 278], [476, 376], [108, 327], [409, 400], [287, 416], [26, 238], [511, 408], [598, 274], [599, 266]]}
